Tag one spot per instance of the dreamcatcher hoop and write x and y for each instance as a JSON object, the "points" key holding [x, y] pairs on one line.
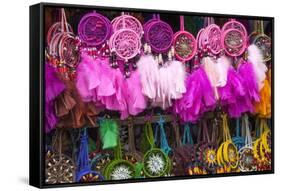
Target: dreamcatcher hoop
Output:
{"points": [[130, 22], [155, 162], [263, 42], [68, 50], [211, 38], [56, 28], [206, 149], [234, 38], [59, 167], [247, 161], [94, 29], [159, 35], [125, 42], [184, 43]]}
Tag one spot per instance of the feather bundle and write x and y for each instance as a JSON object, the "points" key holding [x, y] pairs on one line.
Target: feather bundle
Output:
{"points": [[109, 133], [54, 87], [149, 75], [198, 98], [256, 58]]}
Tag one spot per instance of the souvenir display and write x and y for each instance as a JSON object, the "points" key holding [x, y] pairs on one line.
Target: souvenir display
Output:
{"points": [[139, 95]]}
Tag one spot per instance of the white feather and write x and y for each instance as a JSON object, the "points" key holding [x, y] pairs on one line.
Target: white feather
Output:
{"points": [[256, 58], [223, 64], [149, 74]]}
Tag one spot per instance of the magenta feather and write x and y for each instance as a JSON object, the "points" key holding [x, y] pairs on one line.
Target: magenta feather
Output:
{"points": [[198, 98], [53, 87]]}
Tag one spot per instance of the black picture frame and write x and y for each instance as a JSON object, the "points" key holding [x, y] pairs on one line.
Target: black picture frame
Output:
{"points": [[36, 97]]}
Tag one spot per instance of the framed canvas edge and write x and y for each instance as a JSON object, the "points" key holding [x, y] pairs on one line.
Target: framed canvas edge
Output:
{"points": [[37, 89]]}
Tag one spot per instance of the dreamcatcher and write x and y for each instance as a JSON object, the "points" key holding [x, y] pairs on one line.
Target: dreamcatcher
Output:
{"points": [[125, 42], [263, 42], [234, 38], [227, 154], [209, 39], [57, 28], [155, 162], [206, 148], [185, 45], [262, 146], [118, 168], [184, 153], [59, 168], [247, 162], [128, 22], [94, 29], [159, 36], [64, 50], [84, 172]]}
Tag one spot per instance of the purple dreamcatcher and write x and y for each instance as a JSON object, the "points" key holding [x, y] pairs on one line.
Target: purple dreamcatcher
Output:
{"points": [[234, 38], [159, 35], [211, 38], [185, 45], [94, 29]]}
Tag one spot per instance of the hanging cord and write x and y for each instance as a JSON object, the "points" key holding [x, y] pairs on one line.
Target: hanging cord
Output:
{"points": [[131, 136], [182, 23], [176, 132], [187, 137], [64, 26], [226, 134], [248, 137], [149, 134], [83, 158], [163, 139]]}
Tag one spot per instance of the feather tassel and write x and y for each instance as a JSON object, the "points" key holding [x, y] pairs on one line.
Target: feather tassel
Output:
{"points": [[109, 133], [256, 58]]}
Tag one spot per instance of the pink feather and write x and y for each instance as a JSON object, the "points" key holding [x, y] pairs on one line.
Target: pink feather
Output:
{"points": [[223, 64]]}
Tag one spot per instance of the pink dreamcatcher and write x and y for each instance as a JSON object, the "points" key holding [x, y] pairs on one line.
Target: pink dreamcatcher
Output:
{"points": [[64, 50], [234, 38], [57, 28], [128, 22], [125, 42], [94, 29], [209, 38], [185, 45]]}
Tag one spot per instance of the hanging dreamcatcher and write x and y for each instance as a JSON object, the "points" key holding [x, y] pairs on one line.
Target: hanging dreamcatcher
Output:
{"points": [[118, 168], [262, 146], [57, 28], [94, 29], [234, 38], [84, 172], [184, 153], [185, 45], [206, 148], [247, 161], [155, 162], [125, 42], [159, 36], [59, 167], [128, 22], [63, 50], [227, 154], [263, 42], [209, 39]]}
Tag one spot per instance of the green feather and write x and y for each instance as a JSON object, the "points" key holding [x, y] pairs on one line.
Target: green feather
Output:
{"points": [[109, 133], [138, 169]]}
